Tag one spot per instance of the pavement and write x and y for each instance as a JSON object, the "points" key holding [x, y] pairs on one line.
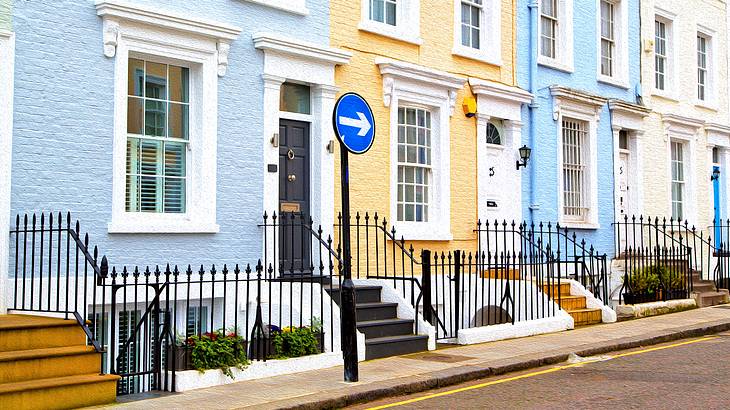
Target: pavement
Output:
{"points": [[691, 374], [444, 367]]}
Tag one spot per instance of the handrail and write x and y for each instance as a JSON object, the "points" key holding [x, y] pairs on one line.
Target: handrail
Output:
{"points": [[400, 243]]}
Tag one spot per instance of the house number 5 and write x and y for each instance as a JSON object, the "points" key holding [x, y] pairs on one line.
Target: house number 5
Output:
{"points": [[491, 172]]}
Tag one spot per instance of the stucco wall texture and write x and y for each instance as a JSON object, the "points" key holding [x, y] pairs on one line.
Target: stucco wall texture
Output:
{"points": [[542, 204], [6, 7], [63, 131], [706, 15], [370, 173]]}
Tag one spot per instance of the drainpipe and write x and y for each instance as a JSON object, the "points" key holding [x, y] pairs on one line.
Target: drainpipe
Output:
{"points": [[532, 108]]}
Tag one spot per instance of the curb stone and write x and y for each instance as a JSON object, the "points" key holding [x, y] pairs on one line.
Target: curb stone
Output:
{"points": [[449, 377]]}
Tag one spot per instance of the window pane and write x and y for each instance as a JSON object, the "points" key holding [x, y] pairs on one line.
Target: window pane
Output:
{"points": [[377, 10], [135, 78], [154, 118], [390, 10], [178, 127], [295, 98], [179, 83], [414, 152], [135, 115], [156, 81]]}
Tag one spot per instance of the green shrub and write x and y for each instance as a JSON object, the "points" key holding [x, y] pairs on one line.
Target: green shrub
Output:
{"points": [[297, 341], [218, 350], [651, 278]]}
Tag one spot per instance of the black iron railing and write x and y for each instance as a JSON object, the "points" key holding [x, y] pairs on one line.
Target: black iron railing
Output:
{"points": [[145, 320], [55, 271], [653, 238]]}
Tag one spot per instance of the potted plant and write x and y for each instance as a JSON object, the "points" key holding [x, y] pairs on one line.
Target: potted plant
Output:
{"points": [[298, 341], [216, 350], [644, 285]]}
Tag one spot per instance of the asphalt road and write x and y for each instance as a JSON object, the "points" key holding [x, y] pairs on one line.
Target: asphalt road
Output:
{"points": [[688, 374]]}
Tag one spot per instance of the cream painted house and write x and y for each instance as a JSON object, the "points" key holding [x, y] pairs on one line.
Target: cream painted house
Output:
{"points": [[685, 84]]}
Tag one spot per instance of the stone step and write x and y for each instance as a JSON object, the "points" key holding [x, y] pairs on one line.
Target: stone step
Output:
{"points": [[60, 392], [570, 302], [363, 293], [395, 345], [387, 327], [555, 289], [704, 286], [705, 299], [24, 365], [376, 311], [584, 317], [27, 332], [504, 274]]}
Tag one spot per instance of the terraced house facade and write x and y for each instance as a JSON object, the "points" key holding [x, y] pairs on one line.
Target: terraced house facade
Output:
{"points": [[517, 145]]}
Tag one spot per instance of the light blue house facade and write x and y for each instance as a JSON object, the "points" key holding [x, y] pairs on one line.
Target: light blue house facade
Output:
{"points": [[156, 123], [580, 60]]}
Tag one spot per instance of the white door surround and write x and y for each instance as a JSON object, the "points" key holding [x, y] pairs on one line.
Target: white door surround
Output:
{"points": [[7, 59], [498, 180], [630, 118], [288, 59]]}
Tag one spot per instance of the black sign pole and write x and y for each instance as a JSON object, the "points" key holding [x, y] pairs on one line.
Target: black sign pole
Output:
{"points": [[347, 289]]}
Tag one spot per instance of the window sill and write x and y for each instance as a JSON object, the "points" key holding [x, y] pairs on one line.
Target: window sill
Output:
{"points": [[478, 55], [616, 82], [580, 225], [156, 227], [665, 95], [707, 105], [284, 6], [388, 31], [555, 64], [422, 231]]}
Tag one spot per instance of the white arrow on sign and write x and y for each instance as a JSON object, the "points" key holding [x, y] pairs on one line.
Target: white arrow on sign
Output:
{"points": [[361, 122]]}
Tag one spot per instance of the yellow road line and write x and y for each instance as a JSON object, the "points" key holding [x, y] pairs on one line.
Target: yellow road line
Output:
{"points": [[533, 374]]}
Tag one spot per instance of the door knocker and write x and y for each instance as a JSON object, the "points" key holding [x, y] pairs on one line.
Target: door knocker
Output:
{"points": [[292, 177], [290, 154]]}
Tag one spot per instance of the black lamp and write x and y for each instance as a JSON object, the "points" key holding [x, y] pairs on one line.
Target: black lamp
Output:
{"points": [[715, 174], [525, 152]]}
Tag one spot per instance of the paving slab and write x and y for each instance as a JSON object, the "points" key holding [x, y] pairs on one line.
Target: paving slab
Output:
{"points": [[424, 371]]}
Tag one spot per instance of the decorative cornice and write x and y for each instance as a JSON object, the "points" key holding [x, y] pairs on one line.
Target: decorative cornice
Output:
{"points": [[395, 70], [577, 100], [718, 129], [276, 42], [5, 33], [627, 108], [493, 89], [118, 14], [681, 126]]}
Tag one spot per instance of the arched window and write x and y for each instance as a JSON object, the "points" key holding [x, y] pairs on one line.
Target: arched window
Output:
{"points": [[493, 135]]}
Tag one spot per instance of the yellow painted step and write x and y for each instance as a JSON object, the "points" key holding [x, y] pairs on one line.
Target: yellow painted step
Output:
{"points": [[23, 365], [59, 392], [27, 332], [583, 317], [511, 274], [570, 302], [552, 288]]}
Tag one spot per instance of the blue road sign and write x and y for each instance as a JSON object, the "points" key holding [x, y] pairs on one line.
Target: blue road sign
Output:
{"points": [[354, 123]]}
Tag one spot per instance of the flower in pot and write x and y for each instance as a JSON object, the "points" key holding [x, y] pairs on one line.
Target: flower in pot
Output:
{"points": [[218, 350]]}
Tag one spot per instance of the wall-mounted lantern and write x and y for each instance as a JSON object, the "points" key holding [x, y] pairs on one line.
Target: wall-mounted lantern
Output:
{"points": [[715, 175], [525, 152]]}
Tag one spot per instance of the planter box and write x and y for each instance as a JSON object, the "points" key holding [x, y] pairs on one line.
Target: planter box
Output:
{"points": [[636, 298], [257, 351], [183, 357]]}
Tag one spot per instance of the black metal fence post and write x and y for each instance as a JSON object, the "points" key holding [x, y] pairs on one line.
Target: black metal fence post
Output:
{"points": [[457, 292], [426, 283]]}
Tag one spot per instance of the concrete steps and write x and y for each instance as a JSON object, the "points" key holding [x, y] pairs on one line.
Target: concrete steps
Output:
{"points": [[385, 334], [46, 364], [705, 293], [574, 305]]}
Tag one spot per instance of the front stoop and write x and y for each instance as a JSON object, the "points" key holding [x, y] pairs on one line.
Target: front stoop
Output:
{"points": [[574, 305], [706, 294], [46, 364], [385, 334]]}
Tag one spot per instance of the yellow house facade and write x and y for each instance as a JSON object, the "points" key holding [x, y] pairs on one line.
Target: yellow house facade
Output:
{"points": [[685, 77], [435, 167]]}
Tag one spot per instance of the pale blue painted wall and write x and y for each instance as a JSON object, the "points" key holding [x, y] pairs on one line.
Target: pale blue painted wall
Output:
{"points": [[544, 154], [62, 144]]}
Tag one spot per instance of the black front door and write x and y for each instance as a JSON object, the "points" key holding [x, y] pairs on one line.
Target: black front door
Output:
{"points": [[294, 239]]}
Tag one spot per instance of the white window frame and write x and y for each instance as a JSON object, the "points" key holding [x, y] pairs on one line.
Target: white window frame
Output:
{"points": [[407, 22], [7, 62], [563, 59], [685, 178], [710, 60], [684, 130], [567, 103], [406, 84], [156, 35], [427, 167], [490, 33], [620, 67], [669, 90], [293, 6]]}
